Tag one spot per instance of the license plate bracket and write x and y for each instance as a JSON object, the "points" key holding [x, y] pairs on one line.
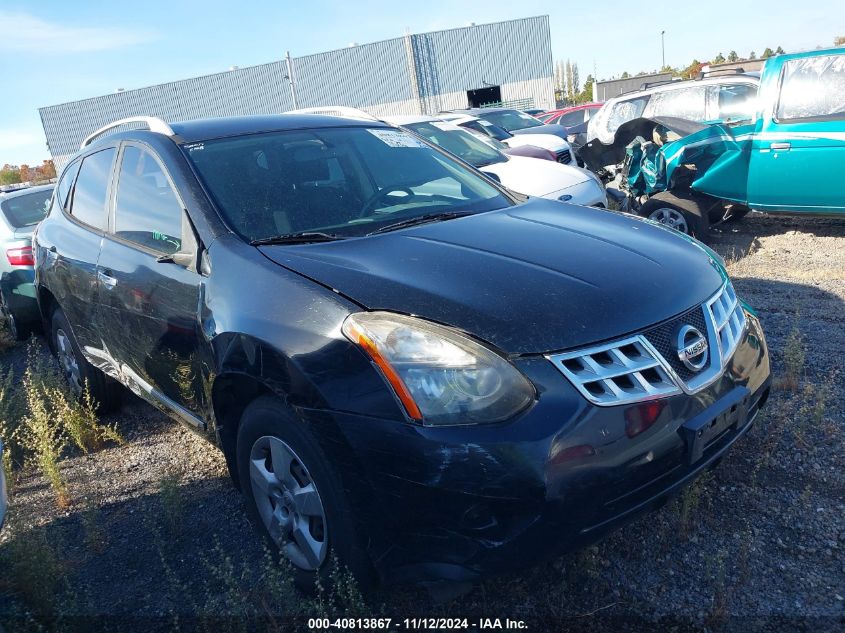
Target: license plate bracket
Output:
{"points": [[729, 412]]}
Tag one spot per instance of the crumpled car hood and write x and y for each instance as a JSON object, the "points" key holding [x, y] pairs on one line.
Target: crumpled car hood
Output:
{"points": [[542, 276]]}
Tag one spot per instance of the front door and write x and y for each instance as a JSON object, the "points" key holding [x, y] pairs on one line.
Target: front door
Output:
{"points": [[148, 317], [798, 153]]}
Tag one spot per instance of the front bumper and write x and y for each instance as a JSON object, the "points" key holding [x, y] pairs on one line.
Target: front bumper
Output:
{"points": [[460, 502]]}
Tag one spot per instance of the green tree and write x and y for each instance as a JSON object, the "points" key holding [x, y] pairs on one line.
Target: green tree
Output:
{"points": [[625, 75], [767, 53], [752, 55], [779, 51], [10, 175], [733, 57], [586, 95], [691, 71], [719, 59]]}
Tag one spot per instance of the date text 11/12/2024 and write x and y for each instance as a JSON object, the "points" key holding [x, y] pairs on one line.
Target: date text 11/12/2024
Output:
{"points": [[415, 624]]}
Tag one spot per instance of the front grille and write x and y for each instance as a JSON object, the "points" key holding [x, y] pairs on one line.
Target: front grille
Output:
{"points": [[729, 320], [563, 156], [647, 365], [664, 339], [616, 373]]}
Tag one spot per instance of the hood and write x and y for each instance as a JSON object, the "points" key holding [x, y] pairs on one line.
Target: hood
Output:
{"points": [[535, 177], [547, 128], [538, 277]]}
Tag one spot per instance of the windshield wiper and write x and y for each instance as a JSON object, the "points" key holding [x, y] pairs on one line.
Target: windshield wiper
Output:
{"points": [[297, 238], [421, 219]]}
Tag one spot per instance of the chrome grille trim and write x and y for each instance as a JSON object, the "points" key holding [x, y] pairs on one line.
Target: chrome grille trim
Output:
{"points": [[729, 321], [615, 373], [612, 374]]}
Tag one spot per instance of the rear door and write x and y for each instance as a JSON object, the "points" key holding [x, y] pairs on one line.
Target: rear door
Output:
{"points": [[148, 314], [72, 245], [799, 150]]}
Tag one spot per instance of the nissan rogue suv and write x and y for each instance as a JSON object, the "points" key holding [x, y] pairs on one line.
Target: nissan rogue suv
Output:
{"points": [[405, 365]]}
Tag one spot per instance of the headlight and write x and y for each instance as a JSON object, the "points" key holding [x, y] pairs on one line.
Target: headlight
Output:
{"points": [[440, 376]]}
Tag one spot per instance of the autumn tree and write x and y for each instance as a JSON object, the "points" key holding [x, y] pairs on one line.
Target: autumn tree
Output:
{"points": [[26, 173], [10, 175], [839, 40]]}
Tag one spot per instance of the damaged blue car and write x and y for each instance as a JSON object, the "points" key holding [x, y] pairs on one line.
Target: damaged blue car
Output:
{"points": [[787, 159]]}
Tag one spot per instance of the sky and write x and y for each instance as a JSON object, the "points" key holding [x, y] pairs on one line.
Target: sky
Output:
{"points": [[56, 51]]}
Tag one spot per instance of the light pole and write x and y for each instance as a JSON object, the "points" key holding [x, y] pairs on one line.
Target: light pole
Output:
{"points": [[663, 49]]}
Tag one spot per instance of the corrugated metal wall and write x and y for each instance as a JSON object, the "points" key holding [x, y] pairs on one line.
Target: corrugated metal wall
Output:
{"points": [[404, 75]]}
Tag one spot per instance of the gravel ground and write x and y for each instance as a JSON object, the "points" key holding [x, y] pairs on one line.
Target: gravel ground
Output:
{"points": [[757, 544]]}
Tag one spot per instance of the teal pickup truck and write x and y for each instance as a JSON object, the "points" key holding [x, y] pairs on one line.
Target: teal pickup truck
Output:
{"points": [[788, 159]]}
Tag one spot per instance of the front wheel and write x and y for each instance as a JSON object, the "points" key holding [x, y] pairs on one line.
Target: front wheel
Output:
{"points": [[684, 213], [294, 494]]}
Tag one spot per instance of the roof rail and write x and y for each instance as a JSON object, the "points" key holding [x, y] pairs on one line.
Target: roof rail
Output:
{"points": [[728, 71], [154, 124], [343, 111]]}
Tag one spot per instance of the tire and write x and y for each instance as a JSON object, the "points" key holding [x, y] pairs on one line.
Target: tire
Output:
{"points": [[684, 212], [277, 505], [106, 393]]}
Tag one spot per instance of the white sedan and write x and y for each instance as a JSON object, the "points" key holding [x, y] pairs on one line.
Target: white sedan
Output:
{"points": [[529, 176], [561, 149]]}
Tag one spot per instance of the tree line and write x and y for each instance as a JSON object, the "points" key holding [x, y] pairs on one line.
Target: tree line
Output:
{"points": [[568, 89], [14, 174]]}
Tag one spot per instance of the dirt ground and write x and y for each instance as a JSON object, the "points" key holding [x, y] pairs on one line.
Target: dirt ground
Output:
{"points": [[155, 534]]}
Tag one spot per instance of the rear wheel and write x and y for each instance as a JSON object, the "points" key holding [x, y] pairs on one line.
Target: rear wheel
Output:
{"points": [[294, 494], [78, 372], [685, 213]]}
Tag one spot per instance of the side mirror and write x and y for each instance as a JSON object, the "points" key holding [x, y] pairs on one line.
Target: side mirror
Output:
{"points": [[186, 256]]}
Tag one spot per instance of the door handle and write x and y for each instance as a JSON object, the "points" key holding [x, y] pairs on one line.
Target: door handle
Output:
{"points": [[107, 280], [780, 147]]}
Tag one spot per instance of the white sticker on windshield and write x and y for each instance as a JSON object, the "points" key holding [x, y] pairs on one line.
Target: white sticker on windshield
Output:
{"points": [[395, 138], [485, 123], [526, 116], [445, 126]]}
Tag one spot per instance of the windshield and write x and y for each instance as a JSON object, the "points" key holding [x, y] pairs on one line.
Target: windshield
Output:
{"points": [[26, 209], [511, 119], [459, 142], [344, 182]]}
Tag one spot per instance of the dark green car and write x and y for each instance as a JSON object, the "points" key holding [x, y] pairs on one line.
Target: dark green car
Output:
{"points": [[20, 211]]}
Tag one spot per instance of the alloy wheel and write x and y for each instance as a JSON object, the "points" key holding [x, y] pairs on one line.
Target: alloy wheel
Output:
{"points": [[670, 217], [288, 502], [68, 362]]}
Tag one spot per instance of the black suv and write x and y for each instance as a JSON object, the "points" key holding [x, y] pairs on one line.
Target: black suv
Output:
{"points": [[403, 363]]}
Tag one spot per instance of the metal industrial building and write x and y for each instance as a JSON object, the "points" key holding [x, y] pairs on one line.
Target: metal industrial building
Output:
{"points": [[417, 73]]}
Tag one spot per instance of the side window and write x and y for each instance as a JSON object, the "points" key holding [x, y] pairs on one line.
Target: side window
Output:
{"points": [[813, 87], [737, 101], [684, 103], [625, 111], [88, 204], [147, 211], [63, 188], [571, 119]]}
